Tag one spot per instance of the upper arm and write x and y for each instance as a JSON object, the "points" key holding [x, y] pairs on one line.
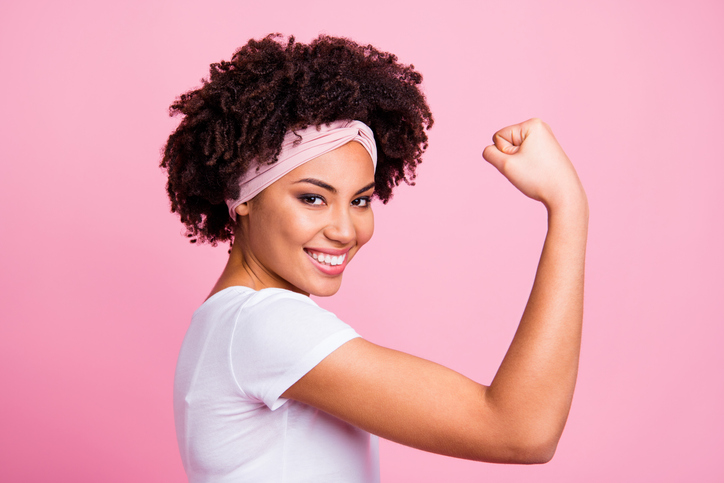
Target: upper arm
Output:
{"points": [[409, 400]]}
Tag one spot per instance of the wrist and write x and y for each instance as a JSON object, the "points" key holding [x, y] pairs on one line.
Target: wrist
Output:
{"points": [[572, 199], [571, 208]]}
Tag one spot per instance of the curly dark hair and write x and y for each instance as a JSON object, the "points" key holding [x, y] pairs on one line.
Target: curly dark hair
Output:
{"points": [[270, 86]]}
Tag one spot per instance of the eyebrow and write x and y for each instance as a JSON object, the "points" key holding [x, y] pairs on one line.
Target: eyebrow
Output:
{"points": [[331, 188]]}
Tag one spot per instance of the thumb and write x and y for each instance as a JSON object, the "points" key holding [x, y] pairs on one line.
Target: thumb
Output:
{"points": [[494, 156]]}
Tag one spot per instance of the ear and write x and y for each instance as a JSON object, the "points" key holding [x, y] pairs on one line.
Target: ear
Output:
{"points": [[242, 209]]}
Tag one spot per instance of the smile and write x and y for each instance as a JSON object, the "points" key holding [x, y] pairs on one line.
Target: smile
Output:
{"points": [[326, 258]]}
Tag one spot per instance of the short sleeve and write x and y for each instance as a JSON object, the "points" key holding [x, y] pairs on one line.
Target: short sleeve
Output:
{"points": [[280, 336]]}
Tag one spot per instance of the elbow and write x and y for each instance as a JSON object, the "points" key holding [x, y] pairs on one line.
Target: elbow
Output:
{"points": [[520, 437], [528, 451], [538, 455], [534, 451]]}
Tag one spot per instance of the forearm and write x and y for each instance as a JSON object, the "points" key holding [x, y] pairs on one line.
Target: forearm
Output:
{"points": [[534, 385]]}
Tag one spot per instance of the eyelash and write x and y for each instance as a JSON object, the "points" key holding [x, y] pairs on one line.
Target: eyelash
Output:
{"points": [[358, 202], [365, 199], [310, 199]]}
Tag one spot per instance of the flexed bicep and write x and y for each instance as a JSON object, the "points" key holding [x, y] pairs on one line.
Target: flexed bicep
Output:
{"points": [[413, 402]]}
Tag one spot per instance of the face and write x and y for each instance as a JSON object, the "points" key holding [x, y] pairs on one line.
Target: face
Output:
{"points": [[302, 231]]}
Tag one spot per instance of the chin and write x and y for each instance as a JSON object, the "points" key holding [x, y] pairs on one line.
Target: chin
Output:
{"points": [[325, 290]]}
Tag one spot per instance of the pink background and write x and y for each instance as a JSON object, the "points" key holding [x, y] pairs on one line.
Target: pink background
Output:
{"points": [[98, 285]]}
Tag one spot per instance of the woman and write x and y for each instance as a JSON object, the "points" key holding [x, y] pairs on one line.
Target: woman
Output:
{"points": [[280, 152]]}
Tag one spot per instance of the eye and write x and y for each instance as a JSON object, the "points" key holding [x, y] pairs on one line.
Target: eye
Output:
{"points": [[314, 200], [363, 202]]}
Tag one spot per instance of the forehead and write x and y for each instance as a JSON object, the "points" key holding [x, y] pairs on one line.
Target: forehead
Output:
{"points": [[349, 163]]}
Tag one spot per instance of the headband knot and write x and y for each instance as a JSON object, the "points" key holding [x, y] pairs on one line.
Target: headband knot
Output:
{"points": [[315, 141]]}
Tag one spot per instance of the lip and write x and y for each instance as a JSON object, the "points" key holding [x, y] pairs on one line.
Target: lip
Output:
{"points": [[329, 269]]}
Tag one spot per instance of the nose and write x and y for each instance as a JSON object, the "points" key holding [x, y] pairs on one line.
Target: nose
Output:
{"points": [[340, 227]]}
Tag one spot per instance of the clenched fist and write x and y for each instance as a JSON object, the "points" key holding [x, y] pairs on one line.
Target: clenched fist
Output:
{"points": [[530, 157]]}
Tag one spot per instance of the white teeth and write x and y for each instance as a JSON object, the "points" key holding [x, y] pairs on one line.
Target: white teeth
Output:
{"points": [[328, 259]]}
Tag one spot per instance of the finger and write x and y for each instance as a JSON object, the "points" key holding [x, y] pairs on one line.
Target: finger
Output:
{"points": [[505, 146], [509, 139], [494, 156]]}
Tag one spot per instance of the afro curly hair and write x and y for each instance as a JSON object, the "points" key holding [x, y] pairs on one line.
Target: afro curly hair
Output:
{"points": [[270, 86]]}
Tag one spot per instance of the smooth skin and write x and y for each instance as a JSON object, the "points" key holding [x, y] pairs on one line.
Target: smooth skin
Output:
{"points": [[323, 204], [519, 418]]}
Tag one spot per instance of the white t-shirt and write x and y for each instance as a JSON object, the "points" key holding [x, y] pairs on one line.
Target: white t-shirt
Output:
{"points": [[242, 350]]}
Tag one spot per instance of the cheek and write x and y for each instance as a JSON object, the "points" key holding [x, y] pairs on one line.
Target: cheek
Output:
{"points": [[270, 232], [365, 228], [281, 225], [299, 227]]}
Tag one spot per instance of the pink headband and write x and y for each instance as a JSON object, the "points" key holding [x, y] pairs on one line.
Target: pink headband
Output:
{"points": [[315, 141]]}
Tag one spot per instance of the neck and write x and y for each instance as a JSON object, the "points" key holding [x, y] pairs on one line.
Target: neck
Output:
{"points": [[243, 270]]}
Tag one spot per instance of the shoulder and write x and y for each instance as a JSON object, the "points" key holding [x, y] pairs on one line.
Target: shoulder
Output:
{"points": [[269, 300], [269, 320], [279, 299], [271, 312], [274, 305], [277, 337]]}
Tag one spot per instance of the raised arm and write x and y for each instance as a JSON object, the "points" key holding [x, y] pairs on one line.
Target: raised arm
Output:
{"points": [[520, 416], [536, 380]]}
